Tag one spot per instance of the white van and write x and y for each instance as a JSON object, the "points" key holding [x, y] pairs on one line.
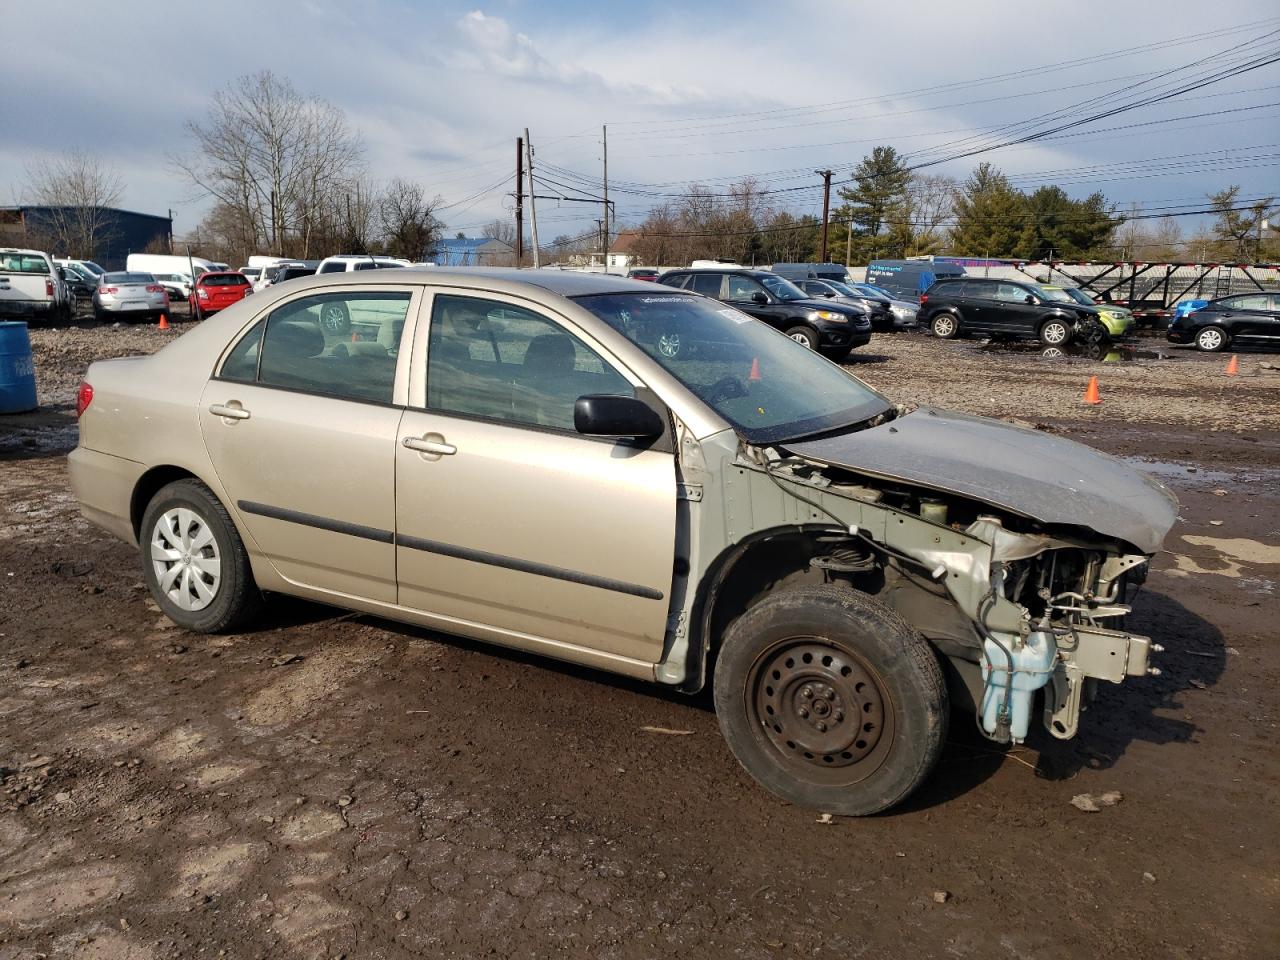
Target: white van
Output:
{"points": [[170, 263]]}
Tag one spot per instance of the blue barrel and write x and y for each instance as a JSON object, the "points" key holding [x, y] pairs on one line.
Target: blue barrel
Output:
{"points": [[17, 370]]}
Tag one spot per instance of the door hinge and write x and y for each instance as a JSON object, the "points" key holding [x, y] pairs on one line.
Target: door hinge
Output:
{"points": [[689, 491]]}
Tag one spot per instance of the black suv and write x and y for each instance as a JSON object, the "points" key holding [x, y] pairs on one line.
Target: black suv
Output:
{"points": [[1250, 318], [831, 328], [1004, 308]]}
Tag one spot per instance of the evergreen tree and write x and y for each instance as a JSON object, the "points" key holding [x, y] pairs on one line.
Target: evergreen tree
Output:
{"points": [[1058, 227], [876, 206], [989, 215]]}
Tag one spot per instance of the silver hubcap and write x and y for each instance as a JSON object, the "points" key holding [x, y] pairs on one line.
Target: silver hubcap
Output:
{"points": [[1210, 339], [669, 344], [331, 318], [1055, 333], [185, 557], [801, 337], [944, 326]]}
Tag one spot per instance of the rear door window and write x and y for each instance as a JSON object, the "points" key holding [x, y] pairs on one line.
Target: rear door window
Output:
{"points": [[1011, 293], [1253, 301], [705, 283]]}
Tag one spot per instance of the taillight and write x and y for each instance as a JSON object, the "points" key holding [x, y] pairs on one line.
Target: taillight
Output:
{"points": [[924, 298], [202, 293], [84, 397], [48, 288], [155, 288], [108, 289]]}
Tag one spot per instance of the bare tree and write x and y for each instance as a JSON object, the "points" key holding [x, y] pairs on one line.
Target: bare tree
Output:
{"points": [[929, 206], [75, 188], [502, 230], [284, 160], [410, 227]]}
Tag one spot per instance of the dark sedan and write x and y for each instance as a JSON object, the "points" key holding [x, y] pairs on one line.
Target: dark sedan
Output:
{"points": [[1250, 319]]}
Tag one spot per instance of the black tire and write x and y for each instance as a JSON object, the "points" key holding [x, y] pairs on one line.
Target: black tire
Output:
{"points": [[837, 354], [800, 648], [335, 318], [99, 316], [944, 325], [1212, 339], [804, 335], [236, 598], [1055, 332]]}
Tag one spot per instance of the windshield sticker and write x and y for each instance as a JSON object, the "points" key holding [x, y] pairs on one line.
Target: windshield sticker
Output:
{"points": [[663, 299], [737, 316]]}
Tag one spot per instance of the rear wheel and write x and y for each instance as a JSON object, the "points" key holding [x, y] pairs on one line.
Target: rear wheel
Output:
{"points": [[831, 700], [1212, 339], [194, 561], [804, 335], [1055, 333], [335, 319], [944, 326]]}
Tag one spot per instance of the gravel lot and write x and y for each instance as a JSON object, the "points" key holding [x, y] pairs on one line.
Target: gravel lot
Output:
{"points": [[336, 785]]}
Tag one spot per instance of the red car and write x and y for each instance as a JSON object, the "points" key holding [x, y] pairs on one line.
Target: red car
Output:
{"points": [[217, 291]]}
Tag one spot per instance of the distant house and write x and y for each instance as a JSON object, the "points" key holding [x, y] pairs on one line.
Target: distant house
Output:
{"points": [[472, 252], [620, 255], [120, 232]]}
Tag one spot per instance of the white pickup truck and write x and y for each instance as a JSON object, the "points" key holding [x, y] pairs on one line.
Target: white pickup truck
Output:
{"points": [[30, 287]]}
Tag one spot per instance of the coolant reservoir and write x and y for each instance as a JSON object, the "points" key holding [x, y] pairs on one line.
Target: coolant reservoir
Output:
{"points": [[1007, 704]]}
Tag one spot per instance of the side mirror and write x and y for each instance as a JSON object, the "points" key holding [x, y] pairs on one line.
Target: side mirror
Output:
{"points": [[603, 415], [759, 297], [829, 295], [1030, 298]]}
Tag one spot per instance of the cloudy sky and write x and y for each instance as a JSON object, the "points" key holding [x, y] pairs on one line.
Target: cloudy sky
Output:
{"points": [[710, 92]]}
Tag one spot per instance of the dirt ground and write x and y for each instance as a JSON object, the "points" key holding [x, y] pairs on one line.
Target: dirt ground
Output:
{"points": [[336, 785]]}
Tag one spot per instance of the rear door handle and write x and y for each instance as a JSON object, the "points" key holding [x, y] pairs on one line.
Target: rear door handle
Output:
{"points": [[437, 447], [229, 412]]}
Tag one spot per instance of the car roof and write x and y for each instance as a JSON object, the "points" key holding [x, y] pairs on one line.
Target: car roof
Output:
{"points": [[742, 271], [566, 283]]}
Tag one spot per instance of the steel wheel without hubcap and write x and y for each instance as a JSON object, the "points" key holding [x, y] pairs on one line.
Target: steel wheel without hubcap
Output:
{"points": [[184, 554], [1211, 339], [669, 344], [821, 709], [1054, 333]]}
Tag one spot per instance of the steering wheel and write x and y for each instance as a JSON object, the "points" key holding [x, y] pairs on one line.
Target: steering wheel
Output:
{"points": [[726, 388]]}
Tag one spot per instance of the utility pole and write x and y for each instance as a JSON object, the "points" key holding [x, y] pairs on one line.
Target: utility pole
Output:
{"points": [[826, 208], [848, 242], [601, 226], [604, 131], [519, 202], [533, 207]]}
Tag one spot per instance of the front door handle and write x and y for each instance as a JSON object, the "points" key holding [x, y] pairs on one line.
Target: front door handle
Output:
{"points": [[424, 445], [230, 411]]}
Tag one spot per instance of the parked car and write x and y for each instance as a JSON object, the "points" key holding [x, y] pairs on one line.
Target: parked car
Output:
{"points": [[750, 517], [170, 263], [795, 272], [904, 311], [874, 305], [1115, 319], [288, 270], [1249, 319], [85, 268], [217, 291], [252, 274], [129, 296], [831, 328], [31, 288], [908, 279], [176, 285], [81, 274], [1182, 308], [348, 262], [643, 273], [1002, 308]]}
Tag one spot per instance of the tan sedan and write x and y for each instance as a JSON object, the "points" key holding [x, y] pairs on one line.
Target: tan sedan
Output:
{"points": [[509, 456]]}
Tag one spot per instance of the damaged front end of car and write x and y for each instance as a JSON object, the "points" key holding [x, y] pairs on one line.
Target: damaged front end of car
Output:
{"points": [[1014, 553]]}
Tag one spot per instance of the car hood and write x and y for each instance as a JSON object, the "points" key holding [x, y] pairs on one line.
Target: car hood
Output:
{"points": [[823, 303], [1024, 471]]}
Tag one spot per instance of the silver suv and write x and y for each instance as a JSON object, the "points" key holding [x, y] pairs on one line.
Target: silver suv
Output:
{"points": [[509, 456]]}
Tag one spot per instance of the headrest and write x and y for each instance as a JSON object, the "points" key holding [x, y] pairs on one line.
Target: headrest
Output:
{"points": [[293, 339], [550, 351]]}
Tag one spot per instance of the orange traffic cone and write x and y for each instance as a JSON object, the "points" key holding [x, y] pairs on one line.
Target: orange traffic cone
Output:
{"points": [[1233, 366], [354, 336], [755, 369], [1091, 392], [164, 321]]}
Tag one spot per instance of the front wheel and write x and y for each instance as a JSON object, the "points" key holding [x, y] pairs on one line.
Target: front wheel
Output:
{"points": [[1055, 333], [804, 336], [944, 326], [194, 561], [831, 700], [1212, 339], [335, 319]]}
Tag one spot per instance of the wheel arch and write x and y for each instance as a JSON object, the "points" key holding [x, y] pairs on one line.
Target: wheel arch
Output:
{"points": [[150, 483]]}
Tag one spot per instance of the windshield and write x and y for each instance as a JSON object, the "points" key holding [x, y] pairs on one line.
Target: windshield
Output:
{"points": [[783, 289], [842, 288], [1079, 296], [92, 267], [761, 381], [1056, 293]]}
